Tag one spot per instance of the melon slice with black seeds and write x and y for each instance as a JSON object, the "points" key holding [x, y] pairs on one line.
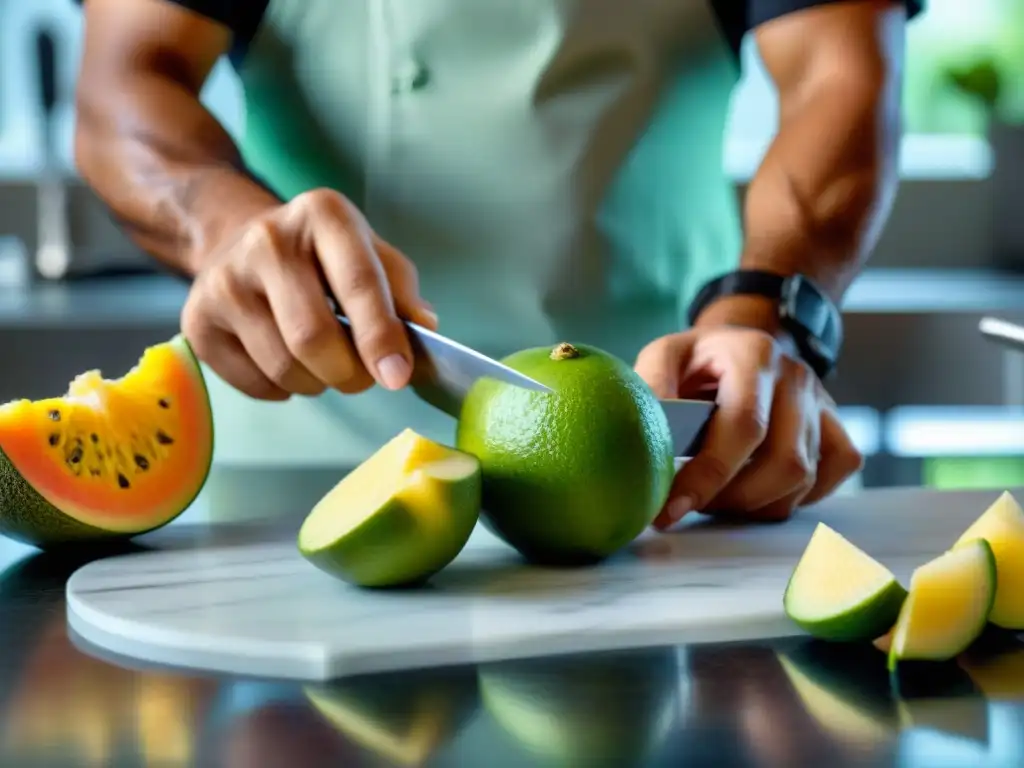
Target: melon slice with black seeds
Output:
{"points": [[111, 458]]}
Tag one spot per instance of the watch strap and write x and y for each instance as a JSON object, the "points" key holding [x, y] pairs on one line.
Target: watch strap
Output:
{"points": [[805, 311]]}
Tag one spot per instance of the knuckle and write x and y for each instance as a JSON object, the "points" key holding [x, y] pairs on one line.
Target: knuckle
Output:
{"points": [[306, 336], [279, 369], [794, 467], [358, 381], [715, 472], [381, 337], [751, 424], [850, 460], [360, 279], [322, 200], [224, 287]]}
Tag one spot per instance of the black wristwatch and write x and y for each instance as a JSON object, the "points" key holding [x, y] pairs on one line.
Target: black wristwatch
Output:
{"points": [[805, 312]]}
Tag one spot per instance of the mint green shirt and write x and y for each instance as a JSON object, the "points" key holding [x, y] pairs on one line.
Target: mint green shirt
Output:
{"points": [[553, 168]]}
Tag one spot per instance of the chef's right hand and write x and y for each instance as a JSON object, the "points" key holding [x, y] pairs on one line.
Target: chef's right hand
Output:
{"points": [[257, 313]]}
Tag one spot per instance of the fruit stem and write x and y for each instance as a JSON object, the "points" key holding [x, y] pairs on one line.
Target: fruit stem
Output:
{"points": [[564, 351]]}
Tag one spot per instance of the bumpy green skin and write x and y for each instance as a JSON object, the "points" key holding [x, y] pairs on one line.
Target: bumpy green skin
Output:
{"points": [[870, 620], [391, 548], [574, 475], [27, 517]]}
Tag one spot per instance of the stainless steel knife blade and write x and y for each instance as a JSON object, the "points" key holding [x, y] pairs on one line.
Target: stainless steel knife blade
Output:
{"points": [[686, 422], [444, 369]]}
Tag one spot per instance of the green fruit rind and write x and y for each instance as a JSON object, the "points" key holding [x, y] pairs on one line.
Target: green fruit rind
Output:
{"points": [[29, 518], [898, 653], [871, 617], [393, 548], [833, 615], [573, 475]]}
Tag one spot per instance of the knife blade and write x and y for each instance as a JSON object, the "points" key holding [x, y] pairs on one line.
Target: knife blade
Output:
{"points": [[686, 422], [443, 369]]}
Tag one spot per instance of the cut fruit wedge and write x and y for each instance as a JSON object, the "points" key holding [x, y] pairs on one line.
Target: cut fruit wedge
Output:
{"points": [[398, 518], [837, 592], [948, 605], [1002, 526]]}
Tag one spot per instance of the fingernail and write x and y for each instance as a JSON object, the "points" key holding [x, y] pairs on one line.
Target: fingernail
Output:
{"points": [[426, 317], [680, 507], [394, 370]]}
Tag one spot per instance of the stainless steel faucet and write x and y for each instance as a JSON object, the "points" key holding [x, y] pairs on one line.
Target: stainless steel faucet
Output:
{"points": [[53, 247]]}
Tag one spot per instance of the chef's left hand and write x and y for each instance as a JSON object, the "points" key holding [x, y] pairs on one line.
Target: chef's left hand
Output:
{"points": [[772, 410]]}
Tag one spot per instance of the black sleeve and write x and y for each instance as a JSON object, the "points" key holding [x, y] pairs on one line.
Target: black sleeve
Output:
{"points": [[242, 17], [737, 17]]}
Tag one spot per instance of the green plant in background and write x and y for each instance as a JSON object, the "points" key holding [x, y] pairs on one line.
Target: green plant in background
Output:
{"points": [[964, 67], [981, 81]]}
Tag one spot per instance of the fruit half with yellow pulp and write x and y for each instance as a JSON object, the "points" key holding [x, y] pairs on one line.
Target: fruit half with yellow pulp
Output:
{"points": [[838, 592], [947, 607], [398, 518], [111, 458], [1002, 526]]}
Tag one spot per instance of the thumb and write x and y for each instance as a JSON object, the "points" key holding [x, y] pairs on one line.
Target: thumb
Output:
{"points": [[662, 362]]}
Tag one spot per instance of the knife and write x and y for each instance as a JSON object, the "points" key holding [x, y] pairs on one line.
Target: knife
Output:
{"points": [[444, 370]]}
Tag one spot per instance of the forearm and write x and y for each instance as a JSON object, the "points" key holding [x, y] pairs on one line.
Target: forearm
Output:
{"points": [[166, 168], [823, 191]]}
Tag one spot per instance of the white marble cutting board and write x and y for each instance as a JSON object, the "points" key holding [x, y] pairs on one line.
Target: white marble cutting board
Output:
{"points": [[262, 610]]}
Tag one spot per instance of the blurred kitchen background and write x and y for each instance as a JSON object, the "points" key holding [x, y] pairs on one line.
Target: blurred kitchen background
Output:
{"points": [[927, 399]]}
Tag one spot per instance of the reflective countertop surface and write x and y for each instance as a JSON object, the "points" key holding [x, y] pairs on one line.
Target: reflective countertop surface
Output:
{"points": [[774, 703]]}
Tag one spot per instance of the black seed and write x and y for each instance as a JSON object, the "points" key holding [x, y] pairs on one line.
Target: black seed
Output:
{"points": [[163, 402], [76, 455], [141, 462], [54, 415], [54, 439], [163, 438], [95, 438], [122, 481], [94, 472]]}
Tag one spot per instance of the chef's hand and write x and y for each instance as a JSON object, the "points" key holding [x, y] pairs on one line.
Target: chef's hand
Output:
{"points": [[258, 316], [772, 410]]}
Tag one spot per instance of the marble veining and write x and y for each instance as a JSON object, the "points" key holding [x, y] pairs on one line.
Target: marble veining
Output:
{"points": [[260, 609]]}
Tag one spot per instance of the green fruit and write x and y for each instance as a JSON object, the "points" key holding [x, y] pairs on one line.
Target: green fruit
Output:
{"points": [[404, 718], [604, 709], [398, 518], [837, 592], [948, 605], [573, 475]]}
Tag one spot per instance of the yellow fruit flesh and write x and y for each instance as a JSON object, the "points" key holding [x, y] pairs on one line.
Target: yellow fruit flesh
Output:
{"points": [[410, 748], [409, 466], [1002, 526], [947, 606], [833, 576]]}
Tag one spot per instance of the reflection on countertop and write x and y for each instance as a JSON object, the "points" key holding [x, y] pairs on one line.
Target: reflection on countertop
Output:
{"points": [[782, 704]]}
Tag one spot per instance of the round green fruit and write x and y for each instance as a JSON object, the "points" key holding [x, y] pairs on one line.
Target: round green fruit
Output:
{"points": [[573, 475]]}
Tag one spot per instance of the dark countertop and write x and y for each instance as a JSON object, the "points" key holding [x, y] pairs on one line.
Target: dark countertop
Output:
{"points": [[156, 300], [785, 703]]}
